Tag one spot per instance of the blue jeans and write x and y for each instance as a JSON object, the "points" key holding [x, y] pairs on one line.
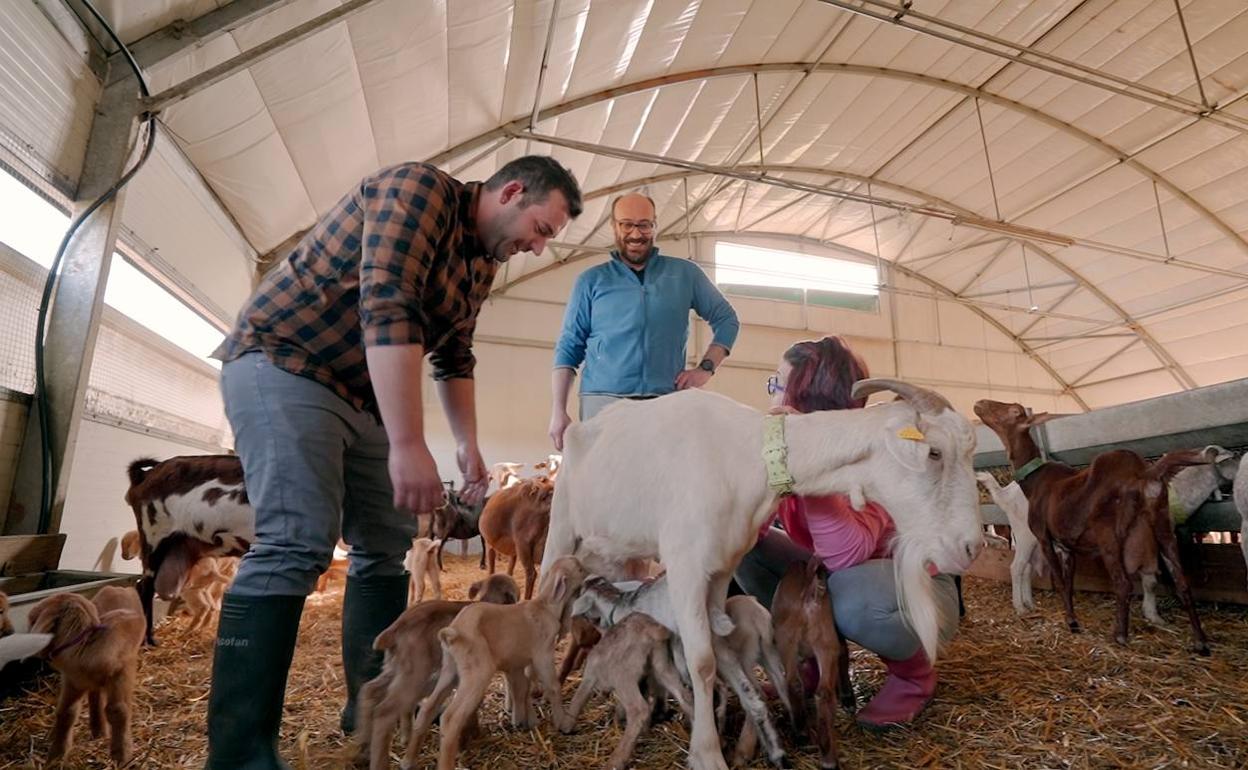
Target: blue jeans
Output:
{"points": [[864, 597], [315, 469]]}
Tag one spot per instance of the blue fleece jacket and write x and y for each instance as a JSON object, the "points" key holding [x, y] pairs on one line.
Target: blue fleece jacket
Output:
{"points": [[631, 333]]}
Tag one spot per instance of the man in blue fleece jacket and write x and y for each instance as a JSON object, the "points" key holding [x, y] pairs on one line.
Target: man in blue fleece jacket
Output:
{"points": [[628, 322]]}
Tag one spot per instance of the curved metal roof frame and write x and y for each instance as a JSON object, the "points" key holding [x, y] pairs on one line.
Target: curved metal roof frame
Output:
{"points": [[1172, 365], [1117, 154]]}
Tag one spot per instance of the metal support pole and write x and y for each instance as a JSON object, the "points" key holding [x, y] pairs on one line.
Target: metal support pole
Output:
{"points": [[74, 316]]}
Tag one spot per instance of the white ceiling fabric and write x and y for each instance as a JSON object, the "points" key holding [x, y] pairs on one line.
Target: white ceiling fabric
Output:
{"points": [[847, 102]]}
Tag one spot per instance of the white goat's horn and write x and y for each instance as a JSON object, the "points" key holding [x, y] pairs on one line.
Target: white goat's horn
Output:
{"points": [[927, 401]]}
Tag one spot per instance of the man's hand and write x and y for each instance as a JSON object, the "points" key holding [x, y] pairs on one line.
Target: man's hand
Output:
{"points": [[559, 422], [476, 480], [414, 474], [692, 378]]}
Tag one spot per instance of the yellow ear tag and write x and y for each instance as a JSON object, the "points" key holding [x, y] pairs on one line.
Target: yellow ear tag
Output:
{"points": [[911, 433]]}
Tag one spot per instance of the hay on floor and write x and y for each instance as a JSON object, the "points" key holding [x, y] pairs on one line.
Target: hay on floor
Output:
{"points": [[1013, 693]]}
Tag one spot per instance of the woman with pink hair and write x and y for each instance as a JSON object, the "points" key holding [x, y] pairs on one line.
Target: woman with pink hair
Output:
{"points": [[855, 545]]}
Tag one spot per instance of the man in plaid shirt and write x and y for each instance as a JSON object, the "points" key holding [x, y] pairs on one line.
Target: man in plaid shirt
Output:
{"points": [[322, 387]]}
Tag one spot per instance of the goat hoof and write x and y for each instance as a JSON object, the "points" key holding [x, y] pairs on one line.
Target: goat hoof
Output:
{"points": [[1202, 650], [1074, 627], [1119, 640], [781, 761]]}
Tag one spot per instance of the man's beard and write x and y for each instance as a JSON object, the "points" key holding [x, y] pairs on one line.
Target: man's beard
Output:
{"points": [[499, 245], [621, 246]]}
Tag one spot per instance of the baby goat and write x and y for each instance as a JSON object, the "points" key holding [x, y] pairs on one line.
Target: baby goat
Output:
{"points": [[95, 647], [635, 649], [421, 566], [736, 650], [804, 625], [413, 657], [485, 639], [1013, 502]]}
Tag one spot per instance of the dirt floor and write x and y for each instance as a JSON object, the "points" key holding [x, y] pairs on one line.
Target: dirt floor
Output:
{"points": [[1013, 693]]}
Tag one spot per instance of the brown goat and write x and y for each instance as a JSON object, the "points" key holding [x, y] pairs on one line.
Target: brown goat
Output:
{"points": [[636, 648], [1117, 508], [486, 639], [584, 636], [801, 614], [514, 523], [413, 658], [95, 647], [6, 623]]}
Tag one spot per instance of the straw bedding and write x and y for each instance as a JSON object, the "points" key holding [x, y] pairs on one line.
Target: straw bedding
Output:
{"points": [[1013, 693]]}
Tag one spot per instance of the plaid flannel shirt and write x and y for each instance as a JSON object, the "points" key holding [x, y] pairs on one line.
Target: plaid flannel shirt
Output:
{"points": [[395, 262]]}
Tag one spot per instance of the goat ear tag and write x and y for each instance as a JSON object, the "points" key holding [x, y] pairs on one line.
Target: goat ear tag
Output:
{"points": [[911, 433]]}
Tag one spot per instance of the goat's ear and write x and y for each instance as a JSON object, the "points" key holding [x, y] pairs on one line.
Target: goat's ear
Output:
{"points": [[561, 588], [1039, 418], [474, 591], [908, 446]]}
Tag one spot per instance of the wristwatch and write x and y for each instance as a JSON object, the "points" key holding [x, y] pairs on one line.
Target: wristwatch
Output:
{"points": [[707, 365]]}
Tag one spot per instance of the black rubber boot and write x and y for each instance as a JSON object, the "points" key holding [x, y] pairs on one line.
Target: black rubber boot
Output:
{"points": [[369, 606], [255, 644]]}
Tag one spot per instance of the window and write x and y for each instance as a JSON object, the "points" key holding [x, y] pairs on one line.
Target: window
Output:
{"points": [[34, 227], [784, 275]]}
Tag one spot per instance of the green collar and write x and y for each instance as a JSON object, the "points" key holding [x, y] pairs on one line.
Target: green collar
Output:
{"points": [[1178, 514], [1029, 468], [776, 455]]}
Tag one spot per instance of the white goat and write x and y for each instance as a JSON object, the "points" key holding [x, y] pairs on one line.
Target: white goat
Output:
{"points": [[698, 504], [1241, 504], [1011, 499]]}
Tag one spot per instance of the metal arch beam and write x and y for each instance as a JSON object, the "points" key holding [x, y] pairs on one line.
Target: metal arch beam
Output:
{"points": [[1177, 371], [520, 124], [181, 37], [214, 75]]}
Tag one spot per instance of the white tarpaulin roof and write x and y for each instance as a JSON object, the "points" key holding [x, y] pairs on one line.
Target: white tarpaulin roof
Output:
{"points": [[1104, 185]]}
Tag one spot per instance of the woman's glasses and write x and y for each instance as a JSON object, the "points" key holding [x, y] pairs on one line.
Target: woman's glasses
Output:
{"points": [[773, 385]]}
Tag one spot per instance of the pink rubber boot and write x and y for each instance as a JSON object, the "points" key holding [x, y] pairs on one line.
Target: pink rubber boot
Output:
{"points": [[906, 691]]}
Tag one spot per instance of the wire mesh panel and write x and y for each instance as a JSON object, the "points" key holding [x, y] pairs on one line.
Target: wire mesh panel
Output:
{"points": [[20, 283], [140, 379]]}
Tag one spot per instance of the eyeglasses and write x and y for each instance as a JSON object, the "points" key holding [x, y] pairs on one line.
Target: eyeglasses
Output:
{"points": [[773, 385], [644, 227]]}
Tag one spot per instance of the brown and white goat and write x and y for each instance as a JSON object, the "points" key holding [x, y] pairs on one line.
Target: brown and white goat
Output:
{"points": [[95, 647], [413, 658], [514, 523], [420, 568], [186, 508], [503, 475], [485, 639], [636, 648], [1116, 509], [801, 612]]}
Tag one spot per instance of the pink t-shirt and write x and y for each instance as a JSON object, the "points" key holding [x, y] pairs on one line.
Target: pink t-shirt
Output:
{"points": [[837, 533]]}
